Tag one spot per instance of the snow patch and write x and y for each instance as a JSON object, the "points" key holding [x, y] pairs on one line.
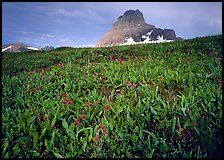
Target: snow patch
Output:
{"points": [[129, 41], [4, 49], [160, 39], [33, 48]]}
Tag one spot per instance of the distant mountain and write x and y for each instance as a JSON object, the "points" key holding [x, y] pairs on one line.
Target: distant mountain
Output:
{"points": [[130, 28], [17, 47], [47, 48]]}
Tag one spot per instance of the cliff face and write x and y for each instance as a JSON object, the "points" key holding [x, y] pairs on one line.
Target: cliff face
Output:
{"points": [[132, 24]]}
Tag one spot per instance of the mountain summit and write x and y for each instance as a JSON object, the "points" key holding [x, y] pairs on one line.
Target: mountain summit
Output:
{"points": [[131, 28]]}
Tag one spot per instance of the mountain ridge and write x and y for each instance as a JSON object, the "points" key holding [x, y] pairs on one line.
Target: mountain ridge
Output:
{"points": [[132, 24]]}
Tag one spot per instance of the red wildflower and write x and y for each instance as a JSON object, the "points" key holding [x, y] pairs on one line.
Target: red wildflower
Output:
{"points": [[189, 59], [40, 75], [45, 75], [78, 119], [97, 131], [97, 103], [132, 85], [52, 126], [174, 97], [83, 116], [108, 100], [59, 94], [107, 108], [36, 89], [30, 73], [65, 95], [24, 92], [96, 138], [30, 90], [68, 101], [160, 77], [87, 109], [33, 110], [220, 82], [195, 123], [102, 126], [89, 104], [38, 114], [76, 123], [105, 132], [120, 61], [45, 117], [126, 81], [117, 91], [167, 101], [174, 104]]}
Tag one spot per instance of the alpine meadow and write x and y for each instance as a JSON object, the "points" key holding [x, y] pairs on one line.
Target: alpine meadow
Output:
{"points": [[131, 101]]}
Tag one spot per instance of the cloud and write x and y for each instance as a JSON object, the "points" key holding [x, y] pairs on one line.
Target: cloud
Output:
{"points": [[48, 35]]}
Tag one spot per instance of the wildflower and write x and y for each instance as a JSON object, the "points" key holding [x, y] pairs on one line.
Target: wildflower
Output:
{"points": [[83, 116], [45, 75], [41, 75], [30, 90], [96, 138], [87, 109], [108, 100], [167, 101], [102, 126], [160, 77], [132, 85], [117, 91], [174, 104], [105, 132], [78, 119], [174, 97], [65, 95], [24, 92], [220, 82], [59, 94], [76, 123], [33, 110], [107, 108], [189, 59], [30, 73], [89, 104], [52, 126], [45, 117], [38, 114], [36, 89], [69, 101], [120, 61], [126, 81], [97, 103], [97, 131], [195, 123]]}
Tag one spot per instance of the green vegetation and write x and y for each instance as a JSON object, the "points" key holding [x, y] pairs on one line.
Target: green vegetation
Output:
{"points": [[146, 100]]}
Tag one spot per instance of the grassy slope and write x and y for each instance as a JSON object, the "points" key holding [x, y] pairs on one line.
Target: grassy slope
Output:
{"points": [[140, 123]]}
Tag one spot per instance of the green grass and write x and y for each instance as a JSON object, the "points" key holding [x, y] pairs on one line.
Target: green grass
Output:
{"points": [[164, 100]]}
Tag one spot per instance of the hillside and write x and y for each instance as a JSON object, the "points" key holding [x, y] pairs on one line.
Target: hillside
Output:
{"points": [[146, 100]]}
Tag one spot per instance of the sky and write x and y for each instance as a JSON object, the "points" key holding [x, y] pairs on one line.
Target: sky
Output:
{"points": [[83, 24]]}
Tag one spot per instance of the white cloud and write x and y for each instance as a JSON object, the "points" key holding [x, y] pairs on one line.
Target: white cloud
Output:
{"points": [[49, 35]]}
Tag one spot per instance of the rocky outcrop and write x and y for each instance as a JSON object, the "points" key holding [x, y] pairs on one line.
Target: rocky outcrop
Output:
{"points": [[132, 24]]}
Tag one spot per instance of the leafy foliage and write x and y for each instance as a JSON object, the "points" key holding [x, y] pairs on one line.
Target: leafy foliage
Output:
{"points": [[146, 100]]}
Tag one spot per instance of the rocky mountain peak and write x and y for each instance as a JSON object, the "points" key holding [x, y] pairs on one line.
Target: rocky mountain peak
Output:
{"points": [[130, 18], [131, 27]]}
